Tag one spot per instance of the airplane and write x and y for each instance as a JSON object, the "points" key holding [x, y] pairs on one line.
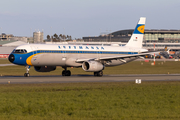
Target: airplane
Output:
{"points": [[92, 58]]}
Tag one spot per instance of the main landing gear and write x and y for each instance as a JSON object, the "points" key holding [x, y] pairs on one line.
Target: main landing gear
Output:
{"points": [[66, 72], [27, 71], [99, 74]]}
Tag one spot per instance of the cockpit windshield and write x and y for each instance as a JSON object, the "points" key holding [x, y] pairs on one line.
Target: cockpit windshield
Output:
{"points": [[19, 51]]}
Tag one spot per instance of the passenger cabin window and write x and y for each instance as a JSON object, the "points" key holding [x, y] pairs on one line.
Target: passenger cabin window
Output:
{"points": [[19, 51]]}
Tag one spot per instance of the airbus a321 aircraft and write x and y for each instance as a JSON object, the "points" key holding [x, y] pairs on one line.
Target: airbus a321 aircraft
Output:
{"points": [[45, 57]]}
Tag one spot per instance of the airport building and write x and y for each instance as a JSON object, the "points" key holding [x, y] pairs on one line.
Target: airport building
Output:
{"points": [[4, 36], [150, 35], [38, 37], [11, 37]]}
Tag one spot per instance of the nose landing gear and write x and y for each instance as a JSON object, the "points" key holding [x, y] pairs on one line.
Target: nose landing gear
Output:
{"points": [[27, 71]]}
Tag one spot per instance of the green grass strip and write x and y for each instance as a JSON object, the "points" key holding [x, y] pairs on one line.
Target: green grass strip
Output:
{"points": [[97, 101], [135, 67]]}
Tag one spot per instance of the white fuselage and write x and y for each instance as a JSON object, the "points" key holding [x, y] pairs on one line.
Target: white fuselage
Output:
{"points": [[66, 55]]}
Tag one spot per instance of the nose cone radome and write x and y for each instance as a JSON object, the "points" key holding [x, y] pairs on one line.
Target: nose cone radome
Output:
{"points": [[11, 58]]}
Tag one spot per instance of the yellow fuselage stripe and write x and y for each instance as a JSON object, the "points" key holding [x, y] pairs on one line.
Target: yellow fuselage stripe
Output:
{"points": [[28, 60]]}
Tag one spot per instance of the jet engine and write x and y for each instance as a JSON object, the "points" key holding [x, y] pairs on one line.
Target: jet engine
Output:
{"points": [[92, 66], [44, 68]]}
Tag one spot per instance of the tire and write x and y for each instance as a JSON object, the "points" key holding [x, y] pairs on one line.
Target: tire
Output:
{"points": [[100, 73], [26, 74], [63, 73], [95, 73], [68, 73]]}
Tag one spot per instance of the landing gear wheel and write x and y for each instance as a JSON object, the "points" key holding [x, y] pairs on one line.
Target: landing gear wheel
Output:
{"points": [[100, 73], [26, 74], [95, 73], [66, 73], [27, 71], [63, 73]]}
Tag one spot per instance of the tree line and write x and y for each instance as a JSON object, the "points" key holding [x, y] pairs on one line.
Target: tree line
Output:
{"points": [[59, 38]]}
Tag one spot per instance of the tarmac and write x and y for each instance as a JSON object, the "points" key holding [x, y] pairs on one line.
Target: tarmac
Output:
{"points": [[7, 64], [87, 78]]}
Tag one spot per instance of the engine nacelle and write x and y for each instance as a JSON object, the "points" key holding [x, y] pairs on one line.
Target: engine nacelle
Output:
{"points": [[92, 66], [44, 68]]}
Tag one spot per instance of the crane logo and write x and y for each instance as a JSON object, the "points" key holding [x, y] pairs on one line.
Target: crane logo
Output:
{"points": [[141, 29]]}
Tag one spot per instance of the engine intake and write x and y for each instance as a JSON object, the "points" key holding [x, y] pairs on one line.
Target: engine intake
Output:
{"points": [[92, 66], [44, 68]]}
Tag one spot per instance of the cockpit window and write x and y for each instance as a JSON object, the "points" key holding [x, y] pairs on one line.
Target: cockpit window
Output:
{"points": [[19, 51]]}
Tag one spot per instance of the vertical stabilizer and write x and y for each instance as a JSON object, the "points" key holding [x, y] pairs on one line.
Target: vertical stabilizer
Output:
{"points": [[137, 36]]}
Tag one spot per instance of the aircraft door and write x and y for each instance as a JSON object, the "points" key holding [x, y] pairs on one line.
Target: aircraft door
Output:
{"points": [[64, 54]]}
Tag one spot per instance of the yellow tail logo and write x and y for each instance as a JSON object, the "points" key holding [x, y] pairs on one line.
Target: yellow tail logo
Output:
{"points": [[141, 29]]}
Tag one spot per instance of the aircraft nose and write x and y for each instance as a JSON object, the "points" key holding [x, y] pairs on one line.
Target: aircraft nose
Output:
{"points": [[11, 58]]}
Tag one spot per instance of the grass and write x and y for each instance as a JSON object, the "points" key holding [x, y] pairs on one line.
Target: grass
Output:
{"points": [[4, 61], [136, 67], [97, 101]]}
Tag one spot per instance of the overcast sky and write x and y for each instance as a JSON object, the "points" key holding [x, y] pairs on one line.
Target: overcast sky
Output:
{"points": [[80, 18]]}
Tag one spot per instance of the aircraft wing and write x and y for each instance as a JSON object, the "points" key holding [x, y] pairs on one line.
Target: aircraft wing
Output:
{"points": [[114, 57]]}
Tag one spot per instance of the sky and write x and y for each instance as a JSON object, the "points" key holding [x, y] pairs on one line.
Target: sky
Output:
{"points": [[83, 18]]}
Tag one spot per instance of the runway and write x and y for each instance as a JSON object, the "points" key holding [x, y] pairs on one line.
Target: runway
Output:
{"points": [[87, 78], [7, 64]]}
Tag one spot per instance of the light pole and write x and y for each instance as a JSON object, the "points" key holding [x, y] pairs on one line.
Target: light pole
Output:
{"points": [[64, 34], [110, 36], [106, 36], [51, 33], [30, 35], [1, 33]]}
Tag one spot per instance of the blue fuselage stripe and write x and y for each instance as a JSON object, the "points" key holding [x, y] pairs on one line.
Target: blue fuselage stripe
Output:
{"points": [[86, 52], [20, 58]]}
